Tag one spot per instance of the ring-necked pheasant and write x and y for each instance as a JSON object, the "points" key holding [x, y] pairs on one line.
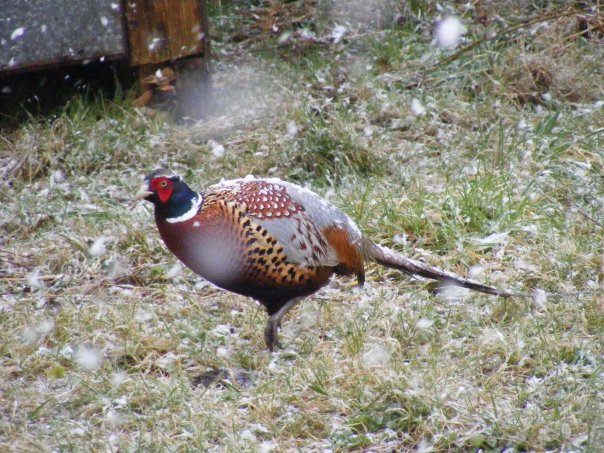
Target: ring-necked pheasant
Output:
{"points": [[270, 240]]}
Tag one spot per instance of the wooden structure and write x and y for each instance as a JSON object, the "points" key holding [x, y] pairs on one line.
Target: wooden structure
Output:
{"points": [[149, 34]]}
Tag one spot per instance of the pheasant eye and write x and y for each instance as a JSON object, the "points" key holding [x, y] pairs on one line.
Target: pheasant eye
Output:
{"points": [[163, 184]]}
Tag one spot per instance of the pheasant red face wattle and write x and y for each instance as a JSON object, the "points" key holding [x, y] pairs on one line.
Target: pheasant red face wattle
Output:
{"points": [[163, 187]]}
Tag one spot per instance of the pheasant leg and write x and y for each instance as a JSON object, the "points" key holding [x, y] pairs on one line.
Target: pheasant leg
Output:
{"points": [[274, 322]]}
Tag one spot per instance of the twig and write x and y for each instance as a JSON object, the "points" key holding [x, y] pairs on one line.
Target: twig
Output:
{"points": [[2, 250], [588, 217]]}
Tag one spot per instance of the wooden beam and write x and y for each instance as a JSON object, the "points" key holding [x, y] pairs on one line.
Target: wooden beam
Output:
{"points": [[164, 30]]}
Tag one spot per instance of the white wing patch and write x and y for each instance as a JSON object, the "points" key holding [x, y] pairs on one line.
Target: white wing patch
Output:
{"points": [[302, 241]]}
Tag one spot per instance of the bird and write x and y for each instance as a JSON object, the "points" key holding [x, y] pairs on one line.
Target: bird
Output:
{"points": [[271, 240]]}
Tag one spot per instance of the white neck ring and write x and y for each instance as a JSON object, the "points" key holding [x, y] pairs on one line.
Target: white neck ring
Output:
{"points": [[189, 214]]}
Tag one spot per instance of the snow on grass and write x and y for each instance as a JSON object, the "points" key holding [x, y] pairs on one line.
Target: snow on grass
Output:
{"points": [[391, 367], [116, 267], [174, 271], [424, 323], [476, 271], [492, 239], [375, 355]]}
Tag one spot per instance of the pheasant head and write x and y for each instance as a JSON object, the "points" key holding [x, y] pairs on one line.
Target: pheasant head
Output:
{"points": [[173, 199]]}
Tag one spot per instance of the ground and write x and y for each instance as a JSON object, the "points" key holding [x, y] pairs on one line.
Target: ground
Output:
{"points": [[483, 156]]}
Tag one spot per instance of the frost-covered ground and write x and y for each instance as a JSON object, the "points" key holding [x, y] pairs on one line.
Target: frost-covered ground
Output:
{"points": [[488, 163]]}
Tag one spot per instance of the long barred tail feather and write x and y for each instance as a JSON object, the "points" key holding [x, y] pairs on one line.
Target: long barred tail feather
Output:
{"points": [[389, 258]]}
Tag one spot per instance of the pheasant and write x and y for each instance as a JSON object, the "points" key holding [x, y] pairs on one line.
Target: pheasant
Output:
{"points": [[270, 240]]}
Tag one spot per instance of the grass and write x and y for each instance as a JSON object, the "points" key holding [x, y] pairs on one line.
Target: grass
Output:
{"points": [[107, 345]]}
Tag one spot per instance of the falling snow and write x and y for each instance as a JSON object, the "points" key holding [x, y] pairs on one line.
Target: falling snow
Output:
{"points": [[98, 247], [34, 333], [539, 299], [46, 326], [217, 149], [400, 238], [33, 279], [58, 176], [284, 38], [88, 358], [523, 125], [67, 202], [154, 44], [292, 129], [417, 108], [337, 33], [452, 293], [118, 378], [17, 33], [449, 32]]}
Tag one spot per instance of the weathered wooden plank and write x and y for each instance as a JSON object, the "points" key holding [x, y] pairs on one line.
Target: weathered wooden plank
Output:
{"points": [[163, 30], [36, 33]]}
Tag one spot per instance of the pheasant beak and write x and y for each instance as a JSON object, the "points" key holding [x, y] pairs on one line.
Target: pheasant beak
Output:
{"points": [[142, 193]]}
